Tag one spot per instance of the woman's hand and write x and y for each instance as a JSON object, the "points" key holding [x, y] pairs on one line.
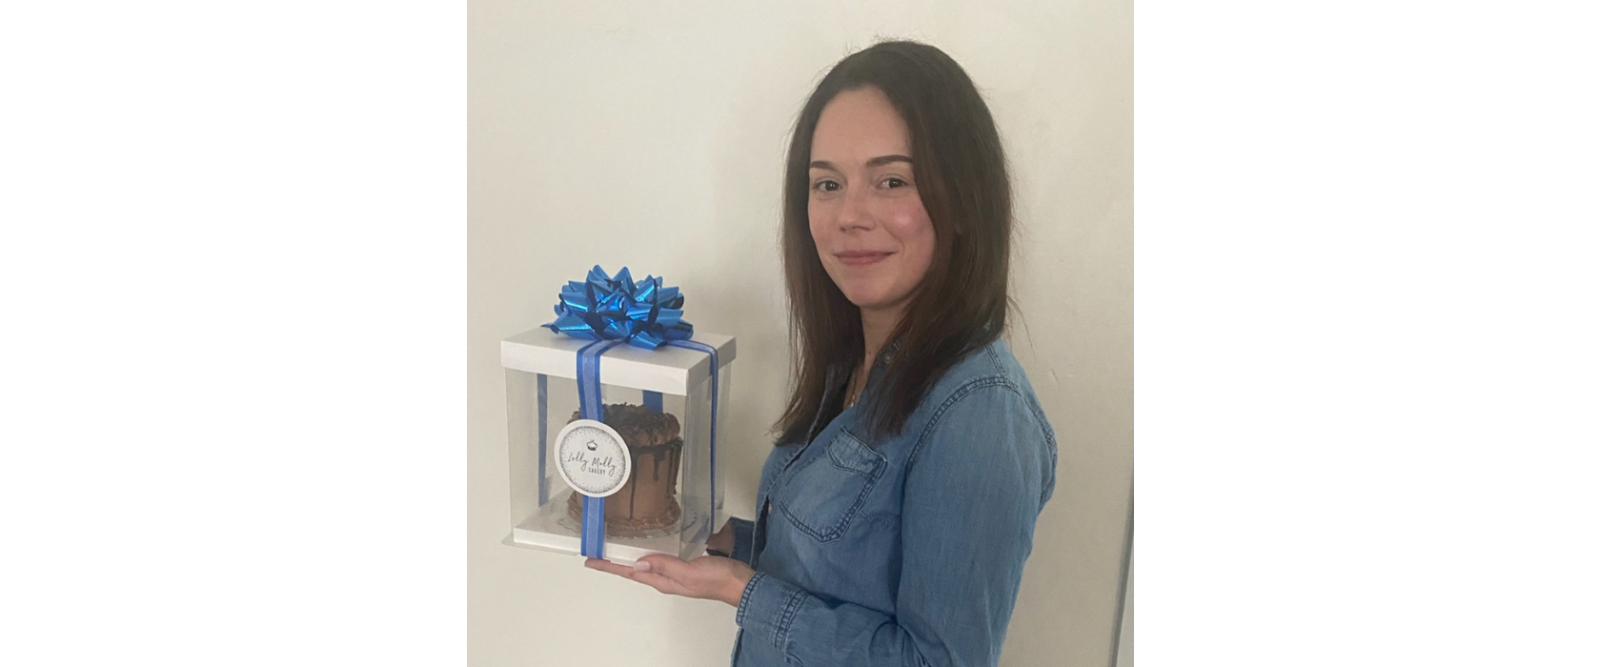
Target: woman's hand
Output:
{"points": [[706, 577]]}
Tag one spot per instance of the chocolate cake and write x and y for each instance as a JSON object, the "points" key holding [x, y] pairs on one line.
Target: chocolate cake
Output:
{"points": [[648, 500]]}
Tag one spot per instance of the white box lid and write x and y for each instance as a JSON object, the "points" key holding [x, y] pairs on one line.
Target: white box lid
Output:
{"points": [[670, 370]]}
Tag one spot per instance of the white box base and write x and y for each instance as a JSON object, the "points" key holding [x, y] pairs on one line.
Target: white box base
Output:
{"points": [[550, 529]]}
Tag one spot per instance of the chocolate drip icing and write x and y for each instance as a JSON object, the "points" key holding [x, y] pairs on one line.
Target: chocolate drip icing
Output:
{"points": [[647, 434], [667, 453]]}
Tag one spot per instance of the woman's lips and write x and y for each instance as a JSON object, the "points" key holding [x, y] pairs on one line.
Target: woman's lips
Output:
{"points": [[861, 258]]}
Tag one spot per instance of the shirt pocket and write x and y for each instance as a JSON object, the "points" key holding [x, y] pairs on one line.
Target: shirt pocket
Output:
{"points": [[824, 496]]}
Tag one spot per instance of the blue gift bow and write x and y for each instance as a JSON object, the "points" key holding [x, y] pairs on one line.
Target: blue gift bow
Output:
{"points": [[643, 313], [612, 311]]}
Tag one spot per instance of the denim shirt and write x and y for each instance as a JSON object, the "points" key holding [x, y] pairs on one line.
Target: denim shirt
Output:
{"points": [[904, 551]]}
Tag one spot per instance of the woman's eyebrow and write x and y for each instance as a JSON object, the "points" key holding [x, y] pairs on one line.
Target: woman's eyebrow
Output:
{"points": [[880, 160]]}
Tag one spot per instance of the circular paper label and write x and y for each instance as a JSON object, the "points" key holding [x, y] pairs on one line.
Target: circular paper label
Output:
{"points": [[592, 458]]}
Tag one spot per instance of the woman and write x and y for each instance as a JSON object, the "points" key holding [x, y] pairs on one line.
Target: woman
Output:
{"points": [[899, 504]]}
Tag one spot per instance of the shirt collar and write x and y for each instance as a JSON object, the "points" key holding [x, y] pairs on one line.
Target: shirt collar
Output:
{"points": [[886, 357]]}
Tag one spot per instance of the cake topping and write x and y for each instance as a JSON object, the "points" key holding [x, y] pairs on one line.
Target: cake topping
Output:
{"points": [[639, 426]]}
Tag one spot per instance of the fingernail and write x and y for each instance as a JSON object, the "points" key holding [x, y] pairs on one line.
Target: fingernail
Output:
{"points": [[641, 566]]}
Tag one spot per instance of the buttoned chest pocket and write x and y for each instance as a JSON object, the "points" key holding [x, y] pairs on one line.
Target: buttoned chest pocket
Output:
{"points": [[825, 495]]}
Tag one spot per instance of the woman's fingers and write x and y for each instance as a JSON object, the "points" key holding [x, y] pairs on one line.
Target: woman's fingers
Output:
{"points": [[608, 566], [706, 577], [666, 574], [658, 581], [666, 566]]}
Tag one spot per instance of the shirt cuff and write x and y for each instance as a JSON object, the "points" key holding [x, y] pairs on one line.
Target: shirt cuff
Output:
{"points": [[743, 539], [768, 607]]}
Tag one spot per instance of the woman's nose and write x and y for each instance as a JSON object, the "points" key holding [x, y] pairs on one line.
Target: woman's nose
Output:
{"points": [[855, 212]]}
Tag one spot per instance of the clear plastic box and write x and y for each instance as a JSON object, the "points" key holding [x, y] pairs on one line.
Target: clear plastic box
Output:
{"points": [[674, 500]]}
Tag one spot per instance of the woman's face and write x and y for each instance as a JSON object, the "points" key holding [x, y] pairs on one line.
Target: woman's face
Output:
{"points": [[871, 231]]}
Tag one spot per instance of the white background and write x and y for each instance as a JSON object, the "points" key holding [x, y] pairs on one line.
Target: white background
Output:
{"points": [[653, 136], [233, 265]]}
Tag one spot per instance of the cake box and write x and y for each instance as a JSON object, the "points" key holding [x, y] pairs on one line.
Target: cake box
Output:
{"points": [[659, 402]]}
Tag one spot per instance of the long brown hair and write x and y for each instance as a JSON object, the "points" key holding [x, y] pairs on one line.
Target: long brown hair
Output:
{"points": [[964, 186]]}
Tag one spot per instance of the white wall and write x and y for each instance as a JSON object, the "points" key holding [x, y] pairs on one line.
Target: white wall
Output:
{"points": [[652, 136]]}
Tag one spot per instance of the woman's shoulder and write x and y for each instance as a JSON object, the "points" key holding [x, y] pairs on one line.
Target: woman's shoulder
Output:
{"points": [[983, 415], [988, 376], [989, 365]]}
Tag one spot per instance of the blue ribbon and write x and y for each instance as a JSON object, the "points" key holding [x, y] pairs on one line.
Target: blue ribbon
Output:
{"points": [[591, 406], [544, 429], [644, 314]]}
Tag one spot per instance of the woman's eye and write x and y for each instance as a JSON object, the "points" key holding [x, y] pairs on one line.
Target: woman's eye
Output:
{"points": [[893, 179], [822, 185]]}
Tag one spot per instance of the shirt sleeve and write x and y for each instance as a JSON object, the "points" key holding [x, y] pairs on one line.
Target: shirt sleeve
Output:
{"points": [[973, 490], [743, 539]]}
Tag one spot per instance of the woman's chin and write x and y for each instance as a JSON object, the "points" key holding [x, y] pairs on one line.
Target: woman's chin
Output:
{"points": [[870, 300], [861, 299]]}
